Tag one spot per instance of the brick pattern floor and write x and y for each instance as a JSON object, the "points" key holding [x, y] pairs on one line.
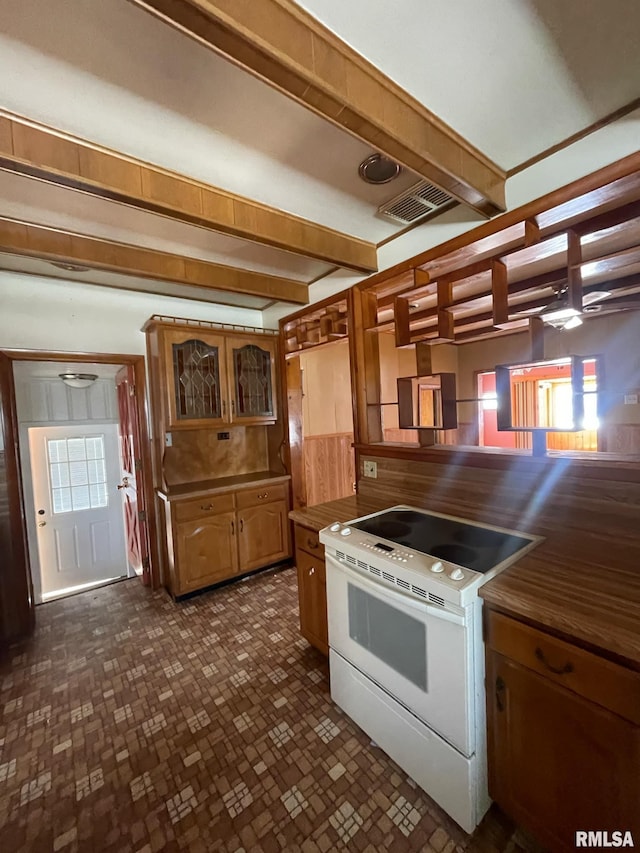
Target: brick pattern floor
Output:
{"points": [[132, 723]]}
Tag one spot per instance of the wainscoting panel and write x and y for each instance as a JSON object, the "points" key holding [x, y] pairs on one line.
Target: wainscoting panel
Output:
{"points": [[329, 466]]}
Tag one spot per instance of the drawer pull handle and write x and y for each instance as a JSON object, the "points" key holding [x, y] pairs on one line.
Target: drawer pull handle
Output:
{"points": [[207, 507], [312, 571], [241, 525], [233, 529], [311, 543], [263, 496], [500, 685], [558, 670]]}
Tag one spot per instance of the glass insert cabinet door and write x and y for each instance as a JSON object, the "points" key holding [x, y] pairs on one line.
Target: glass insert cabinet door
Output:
{"points": [[196, 380], [252, 379]]}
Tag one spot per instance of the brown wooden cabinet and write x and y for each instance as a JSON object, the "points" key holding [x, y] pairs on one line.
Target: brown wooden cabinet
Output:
{"points": [[563, 735], [206, 551], [211, 378], [312, 588], [213, 538]]}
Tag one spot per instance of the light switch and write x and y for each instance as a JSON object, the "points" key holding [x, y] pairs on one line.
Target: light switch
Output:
{"points": [[630, 399]]}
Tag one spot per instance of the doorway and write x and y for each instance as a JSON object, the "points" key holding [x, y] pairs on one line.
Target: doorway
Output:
{"points": [[17, 589], [77, 526]]}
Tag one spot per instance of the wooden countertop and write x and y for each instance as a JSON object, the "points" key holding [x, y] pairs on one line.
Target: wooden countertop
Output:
{"points": [[222, 484], [588, 599], [587, 590]]}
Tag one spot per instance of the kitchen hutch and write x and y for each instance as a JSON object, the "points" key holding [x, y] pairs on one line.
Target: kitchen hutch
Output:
{"points": [[222, 486]]}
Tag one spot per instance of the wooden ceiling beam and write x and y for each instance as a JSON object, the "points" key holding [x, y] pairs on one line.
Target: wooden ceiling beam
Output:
{"points": [[36, 241], [37, 151], [290, 50]]}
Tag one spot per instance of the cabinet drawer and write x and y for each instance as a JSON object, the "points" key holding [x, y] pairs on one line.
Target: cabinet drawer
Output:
{"points": [[586, 674], [262, 495], [202, 507], [309, 541]]}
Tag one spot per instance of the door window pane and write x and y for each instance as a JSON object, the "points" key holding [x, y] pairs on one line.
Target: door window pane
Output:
{"points": [[77, 473], [398, 640]]}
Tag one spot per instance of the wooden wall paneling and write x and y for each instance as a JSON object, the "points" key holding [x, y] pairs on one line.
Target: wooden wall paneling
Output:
{"points": [[296, 440], [329, 467], [17, 617], [42, 152], [286, 47]]}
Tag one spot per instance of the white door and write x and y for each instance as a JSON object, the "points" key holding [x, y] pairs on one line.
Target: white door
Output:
{"points": [[79, 522]]}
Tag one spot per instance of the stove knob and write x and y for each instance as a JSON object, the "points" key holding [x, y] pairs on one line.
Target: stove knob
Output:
{"points": [[335, 527], [437, 566], [346, 531], [456, 575]]}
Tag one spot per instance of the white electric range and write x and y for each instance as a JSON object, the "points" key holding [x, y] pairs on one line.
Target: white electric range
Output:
{"points": [[405, 636]]}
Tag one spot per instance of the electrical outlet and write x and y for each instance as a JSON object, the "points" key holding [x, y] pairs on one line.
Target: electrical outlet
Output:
{"points": [[168, 439], [223, 436], [370, 468], [631, 399]]}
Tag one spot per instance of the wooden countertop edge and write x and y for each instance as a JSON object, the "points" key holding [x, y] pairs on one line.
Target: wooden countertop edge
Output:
{"points": [[196, 490], [586, 630]]}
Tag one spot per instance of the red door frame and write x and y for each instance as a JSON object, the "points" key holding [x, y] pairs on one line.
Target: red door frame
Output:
{"points": [[17, 576]]}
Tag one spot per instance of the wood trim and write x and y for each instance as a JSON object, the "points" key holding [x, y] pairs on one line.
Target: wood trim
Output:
{"points": [[139, 368], [37, 241], [285, 46], [575, 137], [35, 150], [17, 618]]}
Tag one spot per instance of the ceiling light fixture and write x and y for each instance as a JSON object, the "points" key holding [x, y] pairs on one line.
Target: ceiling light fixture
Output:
{"points": [[69, 267], [78, 380], [378, 169]]}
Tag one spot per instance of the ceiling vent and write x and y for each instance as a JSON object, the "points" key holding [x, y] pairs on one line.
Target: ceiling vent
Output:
{"points": [[415, 203]]}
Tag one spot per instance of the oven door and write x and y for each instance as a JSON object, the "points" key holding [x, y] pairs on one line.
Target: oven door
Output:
{"points": [[417, 652]]}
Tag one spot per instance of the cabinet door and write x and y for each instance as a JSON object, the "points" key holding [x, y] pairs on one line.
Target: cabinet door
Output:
{"points": [[558, 763], [206, 551], [263, 535], [196, 379], [252, 379], [312, 597]]}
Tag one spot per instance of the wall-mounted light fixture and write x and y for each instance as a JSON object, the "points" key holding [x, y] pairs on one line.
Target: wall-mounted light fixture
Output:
{"points": [[78, 380]]}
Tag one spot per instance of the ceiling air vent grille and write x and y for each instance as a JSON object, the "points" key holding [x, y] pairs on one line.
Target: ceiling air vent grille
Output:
{"points": [[412, 204]]}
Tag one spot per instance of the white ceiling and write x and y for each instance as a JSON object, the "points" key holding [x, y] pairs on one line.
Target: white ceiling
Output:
{"points": [[512, 76]]}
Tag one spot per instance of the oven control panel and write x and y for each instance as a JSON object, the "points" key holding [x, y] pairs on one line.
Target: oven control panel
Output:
{"points": [[410, 570]]}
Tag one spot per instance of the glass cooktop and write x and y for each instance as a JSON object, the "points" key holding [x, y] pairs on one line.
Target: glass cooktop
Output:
{"points": [[450, 539]]}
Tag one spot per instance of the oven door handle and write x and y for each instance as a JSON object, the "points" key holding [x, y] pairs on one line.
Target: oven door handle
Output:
{"points": [[384, 591]]}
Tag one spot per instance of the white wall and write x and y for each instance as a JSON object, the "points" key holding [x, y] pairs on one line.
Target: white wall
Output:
{"points": [[49, 314]]}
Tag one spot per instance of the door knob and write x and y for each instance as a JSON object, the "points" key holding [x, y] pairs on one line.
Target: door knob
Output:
{"points": [[124, 484], [42, 524]]}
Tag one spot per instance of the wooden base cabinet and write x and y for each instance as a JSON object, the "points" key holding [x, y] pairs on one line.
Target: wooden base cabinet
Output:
{"points": [[312, 588], [563, 736], [211, 539]]}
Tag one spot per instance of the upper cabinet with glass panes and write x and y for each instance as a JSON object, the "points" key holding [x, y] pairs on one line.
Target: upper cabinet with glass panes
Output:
{"points": [[215, 379]]}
